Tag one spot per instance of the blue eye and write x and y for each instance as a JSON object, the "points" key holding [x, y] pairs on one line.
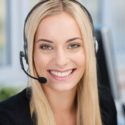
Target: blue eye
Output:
{"points": [[46, 47], [74, 46]]}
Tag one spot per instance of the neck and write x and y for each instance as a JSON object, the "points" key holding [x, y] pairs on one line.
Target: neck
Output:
{"points": [[61, 102]]}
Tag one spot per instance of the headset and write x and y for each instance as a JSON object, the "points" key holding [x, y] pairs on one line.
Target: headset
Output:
{"points": [[24, 54]]}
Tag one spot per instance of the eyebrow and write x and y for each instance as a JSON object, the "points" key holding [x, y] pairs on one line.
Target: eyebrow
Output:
{"points": [[69, 40]]}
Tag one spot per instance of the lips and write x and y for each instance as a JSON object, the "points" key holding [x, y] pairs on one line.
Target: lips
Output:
{"points": [[61, 75]]}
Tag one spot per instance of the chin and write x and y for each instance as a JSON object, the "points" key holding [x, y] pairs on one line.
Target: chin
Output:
{"points": [[62, 88]]}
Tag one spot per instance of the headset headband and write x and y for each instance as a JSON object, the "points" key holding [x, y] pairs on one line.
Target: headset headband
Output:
{"points": [[42, 2]]}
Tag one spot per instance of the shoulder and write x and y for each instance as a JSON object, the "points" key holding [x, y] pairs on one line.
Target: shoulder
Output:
{"points": [[15, 109], [107, 106]]}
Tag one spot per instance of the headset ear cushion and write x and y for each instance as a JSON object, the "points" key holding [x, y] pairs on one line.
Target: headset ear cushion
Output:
{"points": [[96, 45], [25, 52], [25, 55]]}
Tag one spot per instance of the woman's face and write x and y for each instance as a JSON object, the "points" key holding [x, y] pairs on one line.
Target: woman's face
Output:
{"points": [[59, 52]]}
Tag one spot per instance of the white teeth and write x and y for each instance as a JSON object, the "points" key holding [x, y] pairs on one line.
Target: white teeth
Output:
{"points": [[61, 74]]}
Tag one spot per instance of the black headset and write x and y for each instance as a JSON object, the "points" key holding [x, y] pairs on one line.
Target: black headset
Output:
{"points": [[25, 55]]}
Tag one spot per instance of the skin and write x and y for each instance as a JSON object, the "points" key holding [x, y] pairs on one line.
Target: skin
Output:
{"points": [[64, 52]]}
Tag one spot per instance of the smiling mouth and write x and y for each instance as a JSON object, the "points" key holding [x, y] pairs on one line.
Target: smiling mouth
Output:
{"points": [[61, 75]]}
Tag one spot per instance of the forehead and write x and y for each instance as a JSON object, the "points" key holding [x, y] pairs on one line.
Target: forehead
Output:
{"points": [[60, 24]]}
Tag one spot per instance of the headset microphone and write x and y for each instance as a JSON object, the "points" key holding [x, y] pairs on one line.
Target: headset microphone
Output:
{"points": [[42, 80]]}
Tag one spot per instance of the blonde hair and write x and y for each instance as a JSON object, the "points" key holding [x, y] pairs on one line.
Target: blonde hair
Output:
{"points": [[88, 111]]}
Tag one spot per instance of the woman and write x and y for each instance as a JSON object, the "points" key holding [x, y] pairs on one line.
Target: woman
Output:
{"points": [[59, 45]]}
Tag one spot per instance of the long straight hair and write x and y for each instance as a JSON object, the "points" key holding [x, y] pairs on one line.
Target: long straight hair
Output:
{"points": [[88, 111]]}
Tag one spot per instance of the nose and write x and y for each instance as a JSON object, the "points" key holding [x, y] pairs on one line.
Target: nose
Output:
{"points": [[61, 58]]}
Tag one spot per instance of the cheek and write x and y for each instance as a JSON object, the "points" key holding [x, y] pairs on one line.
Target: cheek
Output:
{"points": [[81, 62], [80, 59], [40, 61]]}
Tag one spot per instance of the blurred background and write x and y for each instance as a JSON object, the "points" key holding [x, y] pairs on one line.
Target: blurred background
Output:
{"points": [[109, 22]]}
